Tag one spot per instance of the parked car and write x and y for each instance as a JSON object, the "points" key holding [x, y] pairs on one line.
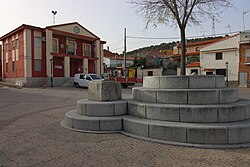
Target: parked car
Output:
{"points": [[82, 80]]}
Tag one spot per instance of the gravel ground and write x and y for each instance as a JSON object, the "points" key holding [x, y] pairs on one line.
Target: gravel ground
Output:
{"points": [[30, 135]]}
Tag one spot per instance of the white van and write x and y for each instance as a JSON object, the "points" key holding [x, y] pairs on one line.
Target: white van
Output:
{"points": [[82, 80]]}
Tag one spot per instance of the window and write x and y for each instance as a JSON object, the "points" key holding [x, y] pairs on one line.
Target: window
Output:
{"points": [[194, 71], [37, 42], [210, 73], [17, 44], [247, 55], [71, 47], [38, 65], [87, 50], [7, 67], [82, 76], [221, 72], [150, 73], [218, 56], [7, 48], [55, 45], [13, 45], [13, 66]]}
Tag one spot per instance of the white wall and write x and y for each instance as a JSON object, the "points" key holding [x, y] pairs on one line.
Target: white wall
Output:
{"points": [[116, 63], [230, 53], [144, 72], [207, 60], [106, 61]]}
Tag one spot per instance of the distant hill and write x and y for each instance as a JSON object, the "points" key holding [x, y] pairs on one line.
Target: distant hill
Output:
{"points": [[164, 46]]}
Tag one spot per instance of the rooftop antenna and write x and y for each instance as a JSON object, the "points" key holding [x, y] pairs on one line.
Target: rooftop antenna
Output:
{"points": [[229, 27], [213, 28], [244, 28], [54, 15]]}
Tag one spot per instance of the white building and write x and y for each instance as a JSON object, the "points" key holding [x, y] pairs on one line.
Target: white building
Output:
{"points": [[113, 60], [215, 57]]}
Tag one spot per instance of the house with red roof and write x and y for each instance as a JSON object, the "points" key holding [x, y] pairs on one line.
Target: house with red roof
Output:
{"points": [[192, 50], [193, 68], [229, 57], [52, 55], [113, 60]]}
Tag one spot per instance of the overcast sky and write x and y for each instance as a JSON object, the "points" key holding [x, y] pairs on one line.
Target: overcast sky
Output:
{"points": [[108, 18]]}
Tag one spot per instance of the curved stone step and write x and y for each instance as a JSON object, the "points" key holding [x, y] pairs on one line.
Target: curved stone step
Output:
{"points": [[186, 96], [205, 134], [101, 108], [78, 122], [184, 82], [232, 112]]}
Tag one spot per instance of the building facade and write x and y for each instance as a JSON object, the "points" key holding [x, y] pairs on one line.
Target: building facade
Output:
{"points": [[228, 57], [192, 50], [193, 69], [33, 55], [1, 63], [113, 60]]}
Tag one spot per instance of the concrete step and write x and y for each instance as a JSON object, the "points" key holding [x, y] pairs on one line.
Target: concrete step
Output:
{"points": [[214, 135], [83, 123], [186, 96], [191, 113], [101, 108], [184, 82]]}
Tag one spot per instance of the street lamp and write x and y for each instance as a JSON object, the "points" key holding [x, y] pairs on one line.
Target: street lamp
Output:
{"points": [[51, 72], [104, 67], [244, 19], [227, 72]]}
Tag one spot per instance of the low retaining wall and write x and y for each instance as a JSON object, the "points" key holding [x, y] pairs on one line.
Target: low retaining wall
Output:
{"points": [[42, 81]]}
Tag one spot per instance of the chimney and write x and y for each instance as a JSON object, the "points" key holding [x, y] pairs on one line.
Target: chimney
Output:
{"points": [[108, 48]]}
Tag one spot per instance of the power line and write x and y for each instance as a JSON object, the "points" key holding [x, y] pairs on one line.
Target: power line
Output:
{"points": [[116, 43], [117, 48], [198, 36], [134, 37]]}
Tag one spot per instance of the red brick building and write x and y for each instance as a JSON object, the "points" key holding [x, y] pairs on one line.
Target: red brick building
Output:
{"points": [[0, 62], [33, 55]]}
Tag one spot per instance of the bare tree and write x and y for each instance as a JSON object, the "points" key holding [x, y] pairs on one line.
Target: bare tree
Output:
{"points": [[180, 13]]}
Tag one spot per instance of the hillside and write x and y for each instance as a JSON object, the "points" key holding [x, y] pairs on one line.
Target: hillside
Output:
{"points": [[164, 46]]}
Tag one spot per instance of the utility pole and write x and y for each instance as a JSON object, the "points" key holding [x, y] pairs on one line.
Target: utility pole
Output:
{"points": [[125, 46]]}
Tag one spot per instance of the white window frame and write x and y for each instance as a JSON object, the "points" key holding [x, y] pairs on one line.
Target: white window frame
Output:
{"points": [[37, 42], [70, 41], [57, 45], [36, 65], [17, 43], [13, 44], [84, 46]]}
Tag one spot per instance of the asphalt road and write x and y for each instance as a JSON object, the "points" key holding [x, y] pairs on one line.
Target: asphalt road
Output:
{"points": [[30, 135]]}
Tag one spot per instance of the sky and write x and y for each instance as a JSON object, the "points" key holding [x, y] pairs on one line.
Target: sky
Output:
{"points": [[108, 18]]}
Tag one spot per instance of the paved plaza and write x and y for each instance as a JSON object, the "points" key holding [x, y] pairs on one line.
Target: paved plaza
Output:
{"points": [[31, 135]]}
